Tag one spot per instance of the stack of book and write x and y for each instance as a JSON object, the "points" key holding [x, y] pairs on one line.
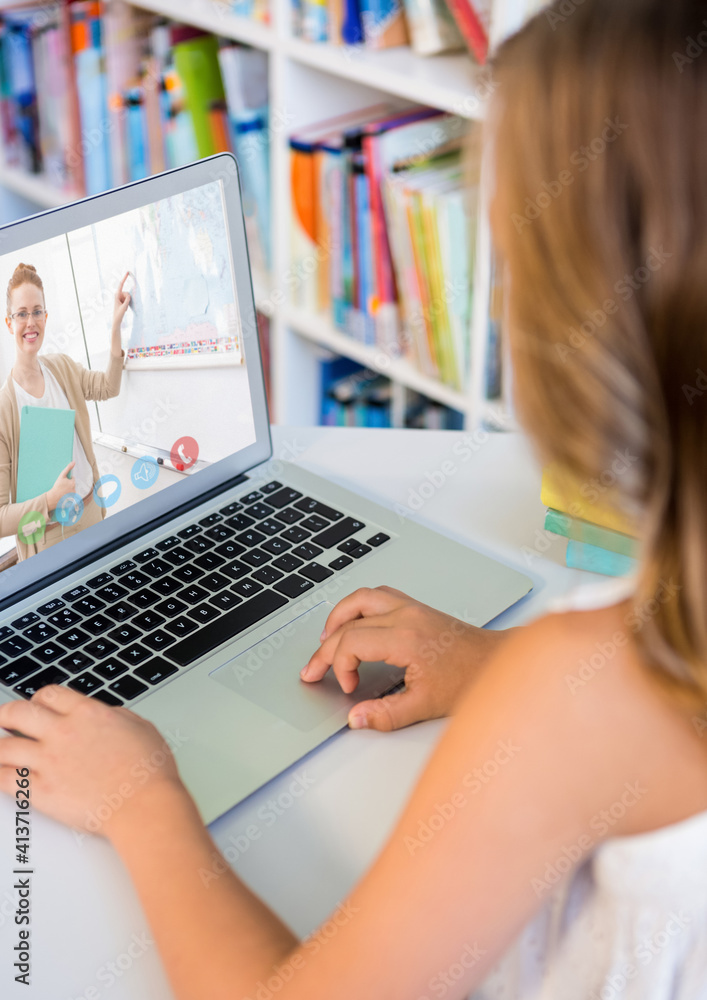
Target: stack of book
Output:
{"points": [[429, 26], [355, 396], [93, 96], [255, 10], [383, 232], [600, 539], [352, 395]]}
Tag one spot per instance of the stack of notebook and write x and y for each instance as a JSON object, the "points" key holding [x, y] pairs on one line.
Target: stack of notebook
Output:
{"points": [[599, 537]]}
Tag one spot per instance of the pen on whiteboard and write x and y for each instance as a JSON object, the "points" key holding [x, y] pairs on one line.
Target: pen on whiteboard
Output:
{"points": [[136, 451]]}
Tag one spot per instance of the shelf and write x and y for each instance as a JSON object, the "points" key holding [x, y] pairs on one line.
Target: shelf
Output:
{"points": [[450, 82], [34, 187], [213, 16], [319, 330]]}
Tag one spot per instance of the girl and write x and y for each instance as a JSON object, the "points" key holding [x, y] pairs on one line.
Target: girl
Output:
{"points": [[580, 868], [52, 380]]}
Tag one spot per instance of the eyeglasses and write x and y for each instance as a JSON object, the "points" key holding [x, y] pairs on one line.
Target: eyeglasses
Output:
{"points": [[23, 315]]}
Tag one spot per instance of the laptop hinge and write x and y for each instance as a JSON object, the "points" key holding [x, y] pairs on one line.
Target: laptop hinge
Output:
{"points": [[118, 543]]}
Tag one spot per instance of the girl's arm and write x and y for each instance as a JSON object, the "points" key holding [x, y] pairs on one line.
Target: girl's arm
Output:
{"points": [[518, 778]]}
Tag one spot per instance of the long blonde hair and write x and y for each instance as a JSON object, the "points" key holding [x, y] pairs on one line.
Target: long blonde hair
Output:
{"points": [[600, 144]]}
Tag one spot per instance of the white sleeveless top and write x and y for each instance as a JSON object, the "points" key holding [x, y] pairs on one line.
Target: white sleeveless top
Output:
{"points": [[631, 921]]}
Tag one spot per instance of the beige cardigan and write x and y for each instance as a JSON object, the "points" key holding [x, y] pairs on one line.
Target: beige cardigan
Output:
{"points": [[79, 384]]}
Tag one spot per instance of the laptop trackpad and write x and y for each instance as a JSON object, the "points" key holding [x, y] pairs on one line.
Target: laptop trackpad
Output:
{"points": [[267, 673]]}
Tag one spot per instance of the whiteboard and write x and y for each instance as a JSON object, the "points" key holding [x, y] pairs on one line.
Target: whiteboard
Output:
{"points": [[184, 308]]}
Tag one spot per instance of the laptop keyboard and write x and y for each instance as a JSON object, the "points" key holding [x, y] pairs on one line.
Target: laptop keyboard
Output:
{"points": [[128, 629]]}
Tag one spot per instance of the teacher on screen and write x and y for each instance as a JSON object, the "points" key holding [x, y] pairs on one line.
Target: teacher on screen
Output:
{"points": [[53, 380]]}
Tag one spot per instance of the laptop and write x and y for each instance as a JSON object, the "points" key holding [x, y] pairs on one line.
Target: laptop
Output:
{"points": [[200, 591]]}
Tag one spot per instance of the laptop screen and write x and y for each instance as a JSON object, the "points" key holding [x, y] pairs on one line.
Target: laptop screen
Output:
{"points": [[125, 366]]}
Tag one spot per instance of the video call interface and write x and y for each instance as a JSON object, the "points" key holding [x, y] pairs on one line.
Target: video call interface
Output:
{"points": [[123, 358]]}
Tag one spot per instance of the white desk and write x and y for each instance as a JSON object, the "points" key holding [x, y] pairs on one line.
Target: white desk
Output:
{"points": [[310, 850]]}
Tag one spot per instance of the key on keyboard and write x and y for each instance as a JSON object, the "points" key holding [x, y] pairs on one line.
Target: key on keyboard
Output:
{"points": [[226, 627]]}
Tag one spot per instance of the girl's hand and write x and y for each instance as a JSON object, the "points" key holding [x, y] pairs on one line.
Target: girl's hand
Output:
{"points": [[92, 766], [121, 303], [61, 487], [439, 653]]}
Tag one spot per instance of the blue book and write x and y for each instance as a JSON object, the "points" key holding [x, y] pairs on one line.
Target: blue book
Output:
{"points": [[332, 370], [363, 248], [137, 140], [582, 555], [93, 105], [251, 142], [351, 25]]}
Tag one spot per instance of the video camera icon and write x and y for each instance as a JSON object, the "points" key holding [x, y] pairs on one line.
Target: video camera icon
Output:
{"points": [[31, 527]]}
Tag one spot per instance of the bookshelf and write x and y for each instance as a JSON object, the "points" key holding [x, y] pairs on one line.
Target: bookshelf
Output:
{"points": [[309, 82]]}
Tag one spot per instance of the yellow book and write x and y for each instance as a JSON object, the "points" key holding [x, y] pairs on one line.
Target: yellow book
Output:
{"points": [[591, 501]]}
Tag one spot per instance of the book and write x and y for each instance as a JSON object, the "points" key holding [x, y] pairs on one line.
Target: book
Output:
{"points": [[351, 26], [251, 142], [594, 534], [314, 23], [196, 62], [136, 134], [432, 27], [588, 501], [432, 258], [473, 19], [93, 103], [384, 23], [307, 247], [377, 161], [121, 33], [582, 555], [151, 85], [19, 89], [335, 21]]}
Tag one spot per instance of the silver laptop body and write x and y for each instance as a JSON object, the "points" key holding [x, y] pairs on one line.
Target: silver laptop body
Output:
{"points": [[226, 692]]}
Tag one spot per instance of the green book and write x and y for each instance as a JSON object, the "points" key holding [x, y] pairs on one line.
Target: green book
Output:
{"points": [[593, 534], [46, 448], [196, 62]]}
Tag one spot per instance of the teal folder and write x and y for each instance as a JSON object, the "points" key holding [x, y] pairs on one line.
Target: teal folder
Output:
{"points": [[582, 555], [46, 448]]}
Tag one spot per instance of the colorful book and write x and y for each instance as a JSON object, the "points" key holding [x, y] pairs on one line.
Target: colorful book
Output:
{"points": [[21, 91], [473, 19], [155, 131], [307, 250], [590, 501], [315, 20], [335, 21], [432, 27], [384, 23], [593, 534], [93, 104], [377, 161], [582, 555], [351, 26], [251, 141], [196, 62], [122, 25]]}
